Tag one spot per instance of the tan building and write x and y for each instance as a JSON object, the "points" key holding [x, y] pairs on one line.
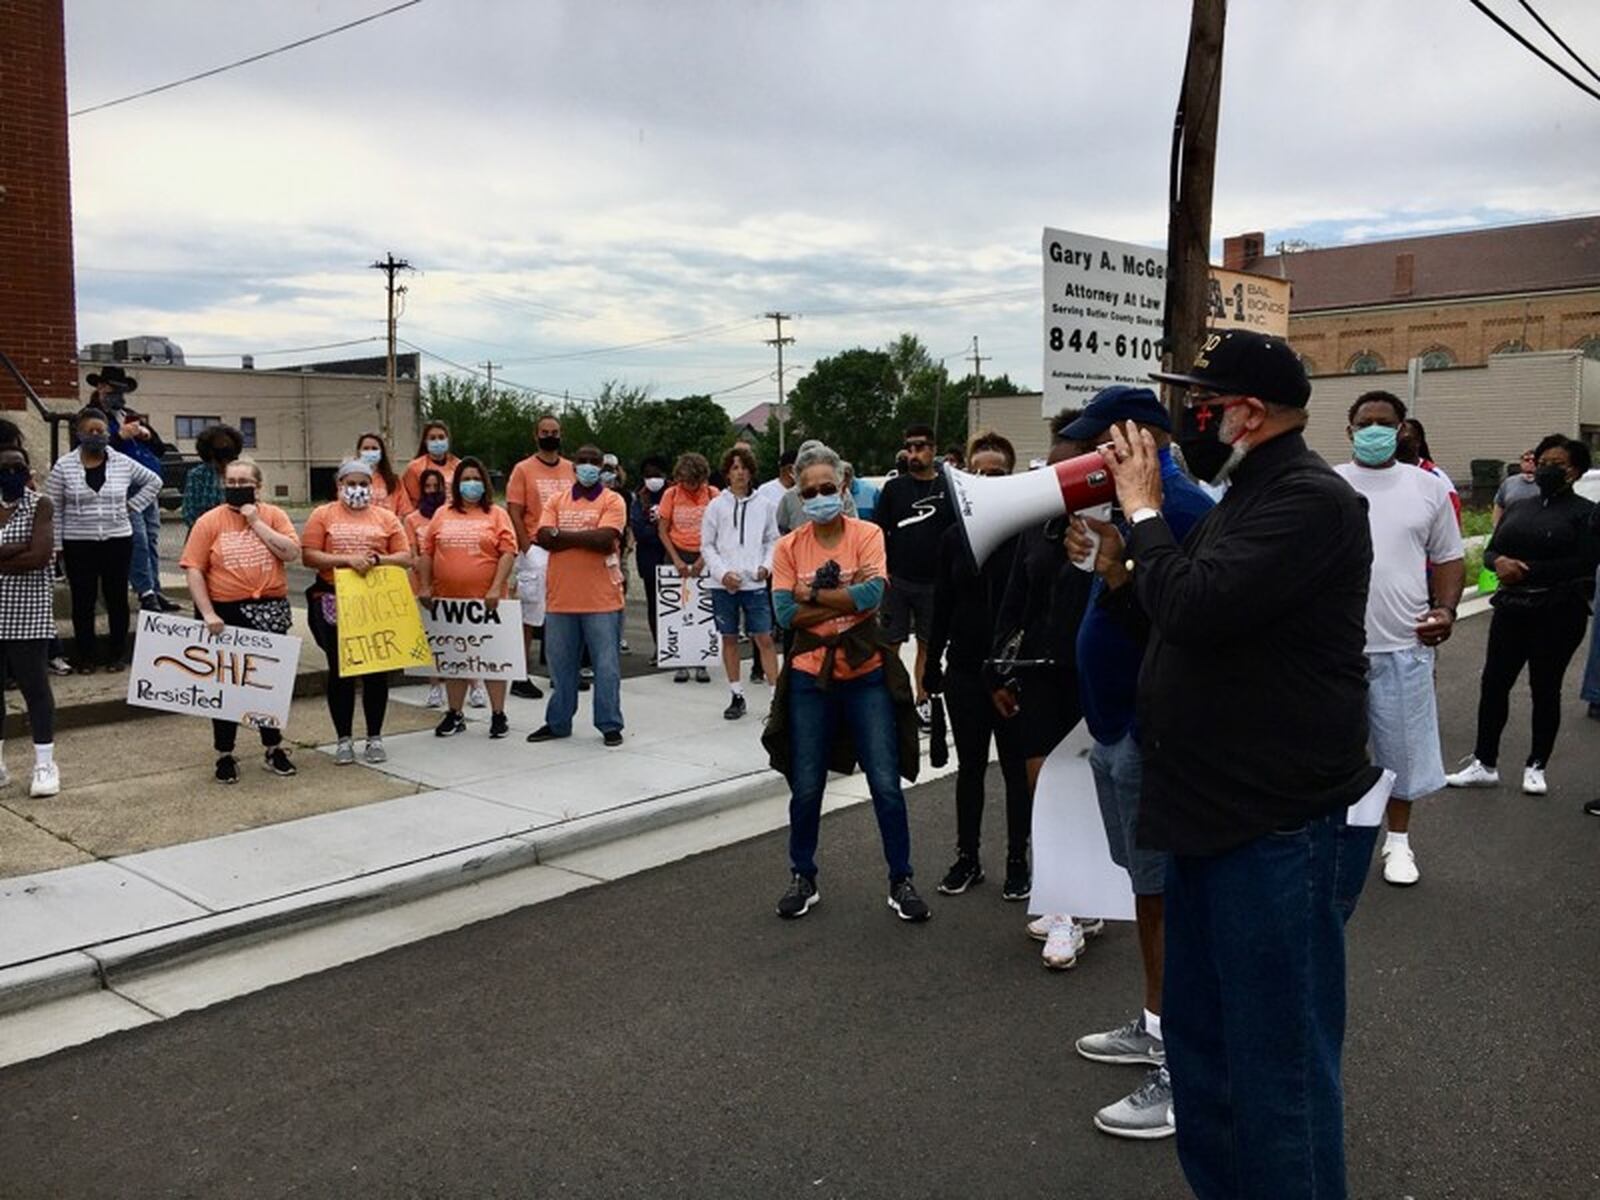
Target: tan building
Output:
{"points": [[1015, 418]]}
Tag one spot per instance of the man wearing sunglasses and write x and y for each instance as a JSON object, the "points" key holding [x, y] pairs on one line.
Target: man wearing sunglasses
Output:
{"points": [[913, 513], [1252, 715]]}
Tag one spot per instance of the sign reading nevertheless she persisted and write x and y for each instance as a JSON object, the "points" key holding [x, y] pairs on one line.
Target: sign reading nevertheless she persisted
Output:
{"points": [[241, 675]]}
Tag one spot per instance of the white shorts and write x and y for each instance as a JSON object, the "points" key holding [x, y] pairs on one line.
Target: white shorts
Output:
{"points": [[531, 566], [1403, 719]]}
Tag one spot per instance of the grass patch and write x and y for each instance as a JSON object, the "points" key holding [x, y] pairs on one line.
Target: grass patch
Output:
{"points": [[1476, 522]]}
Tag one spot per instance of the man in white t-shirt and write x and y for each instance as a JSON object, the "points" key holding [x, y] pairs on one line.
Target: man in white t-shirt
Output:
{"points": [[1417, 576]]}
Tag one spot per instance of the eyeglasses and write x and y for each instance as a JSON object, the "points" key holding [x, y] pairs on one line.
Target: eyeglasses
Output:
{"points": [[915, 444], [994, 473], [826, 489]]}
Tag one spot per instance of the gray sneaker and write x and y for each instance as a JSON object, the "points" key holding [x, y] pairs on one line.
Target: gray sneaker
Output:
{"points": [[345, 753], [1145, 1114], [1125, 1044], [374, 752]]}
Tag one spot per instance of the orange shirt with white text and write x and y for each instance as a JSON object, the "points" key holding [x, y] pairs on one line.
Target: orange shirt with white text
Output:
{"points": [[532, 482], [237, 564], [684, 511], [336, 529], [465, 548], [579, 579]]}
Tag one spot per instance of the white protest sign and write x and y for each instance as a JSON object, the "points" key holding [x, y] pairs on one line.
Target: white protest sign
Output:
{"points": [[686, 630], [1072, 867], [470, 640], [240, 675]]}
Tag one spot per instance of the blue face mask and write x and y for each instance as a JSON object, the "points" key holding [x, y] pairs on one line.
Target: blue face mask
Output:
{"points": [[438, 447], [372, 457], [1374, 445], [822, 509], [588, 474], [472, 490]]}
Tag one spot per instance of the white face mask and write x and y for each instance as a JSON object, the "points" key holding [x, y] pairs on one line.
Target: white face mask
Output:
{"points": [[655, 483], [356, 495]]}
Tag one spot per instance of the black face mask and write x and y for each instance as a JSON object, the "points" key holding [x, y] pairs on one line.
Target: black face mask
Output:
{"points": [[1199, 437], [238, 497], [429, 503], [550, 444], [1552, 480], [13, 482], [115, 400]]}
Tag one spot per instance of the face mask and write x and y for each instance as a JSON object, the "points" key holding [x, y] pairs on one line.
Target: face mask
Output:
{"points": [[238, 497], [356, 495], [608, 477], [550, 444], [1552, 480], [438, 447], [588, 474], [472, 490], [13, 482], [655, 483], [822, 509], [1208, 457], [94, 442], [1374, 445], [115, 400], [372, 457], [430, 502]]}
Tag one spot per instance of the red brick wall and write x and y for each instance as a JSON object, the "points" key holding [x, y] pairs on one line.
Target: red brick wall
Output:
{"points": [[38, 326]]}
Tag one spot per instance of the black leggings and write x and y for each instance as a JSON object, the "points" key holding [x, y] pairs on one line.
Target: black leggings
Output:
{"points": [[973, 721], [342, 691], [647, 564], [225, 733], [1545, 639], [26, 661], [102, 567]]}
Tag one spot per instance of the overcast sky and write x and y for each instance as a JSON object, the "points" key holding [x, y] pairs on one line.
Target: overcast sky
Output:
{"points": [[572, 177]]}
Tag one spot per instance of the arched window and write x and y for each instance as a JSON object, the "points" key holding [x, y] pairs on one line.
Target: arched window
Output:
{"points": [[1590, 346], [1365, 363], [1437, 357], [1514, 346], [1309, 363]]}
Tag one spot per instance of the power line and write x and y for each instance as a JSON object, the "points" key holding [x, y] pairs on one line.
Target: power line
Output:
{"points": [[682, 336], [1556, 37], [289, 350], [305, 41], [1548, 61], [949, 302]]}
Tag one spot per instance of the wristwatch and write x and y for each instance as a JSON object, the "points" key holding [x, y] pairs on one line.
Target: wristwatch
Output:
{"points": [[1142, 514]]}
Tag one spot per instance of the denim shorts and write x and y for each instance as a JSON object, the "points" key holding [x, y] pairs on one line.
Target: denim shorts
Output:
{"points": [[1118, 772], [1403, 719], [752, 602]]}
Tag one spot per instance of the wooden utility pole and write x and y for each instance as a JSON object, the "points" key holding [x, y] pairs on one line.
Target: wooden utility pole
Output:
{"points": [[977, 366], [488, 370], [390, 266], [1192, 171], [778, 340]]}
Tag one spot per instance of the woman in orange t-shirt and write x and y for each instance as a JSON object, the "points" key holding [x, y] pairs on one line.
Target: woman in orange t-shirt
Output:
{"points": [[351, 533], [433, 450], [374, 451], [234, 561], [433, 495], [468, 550], [680, 515]]}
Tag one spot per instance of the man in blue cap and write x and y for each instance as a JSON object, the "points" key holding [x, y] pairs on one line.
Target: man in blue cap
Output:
{"points": [[1111, 644]]}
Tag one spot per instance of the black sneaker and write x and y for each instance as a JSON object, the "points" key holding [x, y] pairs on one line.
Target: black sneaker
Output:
{"points": [[797, 901], [758, 673], [150, 602], [906, 903], [735, 709], [450, 724], [277, 761], [701, 675], [681, 675], [498, 727], [1593, 807], [167, 604], [1019, 880], [227, 769], [612, 737], [545, 734], [963, 873], [526, 689]]}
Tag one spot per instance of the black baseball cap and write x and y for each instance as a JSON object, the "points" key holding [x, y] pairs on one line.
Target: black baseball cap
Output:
{"points": [[1117, 403], [1241, 362]]}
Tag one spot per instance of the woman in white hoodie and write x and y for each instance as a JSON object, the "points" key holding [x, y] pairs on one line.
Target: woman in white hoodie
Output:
{"points": [[736, 539]]}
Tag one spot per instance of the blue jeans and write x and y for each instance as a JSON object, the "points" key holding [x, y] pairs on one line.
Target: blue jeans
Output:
{"points": [[1356, 843], [1254, 1012], [565, 637], [1591, 670], [814, 718], [144, 571]]}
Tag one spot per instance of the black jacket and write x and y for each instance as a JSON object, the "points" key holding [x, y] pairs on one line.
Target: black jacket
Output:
{"points": [[965, 603], [1253, 690], [1044, 601], [1559, 542]]}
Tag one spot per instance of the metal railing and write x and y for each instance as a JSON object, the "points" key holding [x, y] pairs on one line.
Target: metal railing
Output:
{"points": [[52, 418]]}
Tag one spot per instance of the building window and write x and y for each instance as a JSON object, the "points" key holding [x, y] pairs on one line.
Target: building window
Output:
{"points": [[1309, 364], [247, 427], [188, 428], [1514, 346], [1365, 363], [1590, 346], [1437, 357]]}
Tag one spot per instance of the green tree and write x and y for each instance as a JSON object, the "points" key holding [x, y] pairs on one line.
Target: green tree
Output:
{"points": [[848, 401], [695, 423]]}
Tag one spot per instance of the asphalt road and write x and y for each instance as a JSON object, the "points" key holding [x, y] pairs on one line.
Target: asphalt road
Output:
{"points": [[667, 1036]]}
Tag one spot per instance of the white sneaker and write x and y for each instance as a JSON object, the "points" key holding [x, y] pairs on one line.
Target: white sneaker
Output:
{"points": [[1399, 865], [1533, 781], [1062, 947], [1474, 774], [46, 780], [435, 695], [1039, 928], [478, 697]]}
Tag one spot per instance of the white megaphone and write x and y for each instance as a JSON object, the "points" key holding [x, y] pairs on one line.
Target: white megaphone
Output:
{"points": [[991, 509]]}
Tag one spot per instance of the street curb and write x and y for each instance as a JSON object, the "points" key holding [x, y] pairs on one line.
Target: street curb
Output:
{"points": [[105, 965]]}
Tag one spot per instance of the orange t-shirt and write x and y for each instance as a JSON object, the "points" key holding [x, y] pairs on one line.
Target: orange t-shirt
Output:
{"points": [[578, 579], [335, 529], [414, 523], [684, 512], [465, 549], [382, 497], [236, 563], [796, 559], [532, 482], [411, 480]]}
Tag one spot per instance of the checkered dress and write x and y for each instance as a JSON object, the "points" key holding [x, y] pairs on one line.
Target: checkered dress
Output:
{"points": [[27, 607]]}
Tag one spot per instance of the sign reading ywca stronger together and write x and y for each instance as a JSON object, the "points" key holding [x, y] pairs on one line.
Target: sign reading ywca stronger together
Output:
{"points": [[686, 630], [240, 675], [470, 640]]}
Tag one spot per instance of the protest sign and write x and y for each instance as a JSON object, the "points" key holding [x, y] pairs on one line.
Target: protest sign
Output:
{"points": [[1072, 867], [686, 630], [379, 627], [240, 675], [470, 640]]}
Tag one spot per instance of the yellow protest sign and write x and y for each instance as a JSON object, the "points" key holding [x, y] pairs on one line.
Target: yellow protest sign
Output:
{"points": [[379, 628]]}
